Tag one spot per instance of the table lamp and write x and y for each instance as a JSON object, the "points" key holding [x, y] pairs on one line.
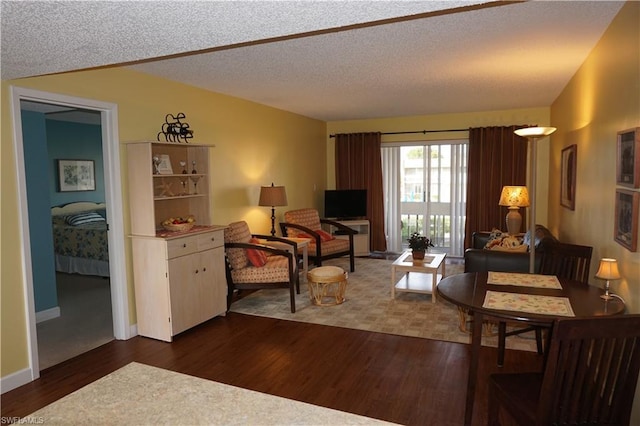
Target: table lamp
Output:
{"points": [[272, 196], [514, 197], [608, 270]]}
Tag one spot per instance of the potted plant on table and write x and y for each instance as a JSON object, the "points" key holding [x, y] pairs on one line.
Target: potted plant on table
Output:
{"points": [[419, 244]]}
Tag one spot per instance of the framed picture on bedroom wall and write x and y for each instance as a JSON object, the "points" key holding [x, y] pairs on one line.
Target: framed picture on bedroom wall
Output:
{"points": [[76, 175], [628, 158], [626, 220], [568, 177]]}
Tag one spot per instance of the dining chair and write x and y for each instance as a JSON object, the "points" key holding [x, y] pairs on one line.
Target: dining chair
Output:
{"points": [[568, 261], [251, 265], [590, 376]]}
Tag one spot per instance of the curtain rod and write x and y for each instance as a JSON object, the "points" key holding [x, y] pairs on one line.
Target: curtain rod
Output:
{"points": [[424, 132]]}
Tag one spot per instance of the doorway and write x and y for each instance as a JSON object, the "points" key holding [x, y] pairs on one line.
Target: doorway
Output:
{"points": [[113, 197], [71, 281], [425, 183]]}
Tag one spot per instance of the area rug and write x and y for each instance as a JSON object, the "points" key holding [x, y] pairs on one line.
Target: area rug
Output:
{"points": [[139, 394], [369, 307]]}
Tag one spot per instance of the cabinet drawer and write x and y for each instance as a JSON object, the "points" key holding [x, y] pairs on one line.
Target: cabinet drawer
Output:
{"points": [[182, 246], [210, 240]]}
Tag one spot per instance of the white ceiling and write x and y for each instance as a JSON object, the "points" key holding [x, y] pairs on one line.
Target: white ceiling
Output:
{"points": [[330, 60]]}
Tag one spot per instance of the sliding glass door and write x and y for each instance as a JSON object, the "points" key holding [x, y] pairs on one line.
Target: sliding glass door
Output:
{"points": [[425, 190]]}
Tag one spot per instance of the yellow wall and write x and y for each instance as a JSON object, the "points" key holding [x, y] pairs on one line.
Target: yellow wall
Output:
{"points": [[255, 145], [601, 99], [537, 116]]}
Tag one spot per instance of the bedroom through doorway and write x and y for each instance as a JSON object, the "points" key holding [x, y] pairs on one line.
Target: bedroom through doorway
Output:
{"points": [[66, 197]]}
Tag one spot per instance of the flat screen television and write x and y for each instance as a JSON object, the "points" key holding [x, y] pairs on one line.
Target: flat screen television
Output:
{"points": [[345, 204]]}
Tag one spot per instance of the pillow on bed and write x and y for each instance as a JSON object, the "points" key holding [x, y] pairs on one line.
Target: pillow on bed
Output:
{"points": [[83, 218]]}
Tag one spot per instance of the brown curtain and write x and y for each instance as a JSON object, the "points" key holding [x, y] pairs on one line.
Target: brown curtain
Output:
{"points": [[497, 157], [359, 166]]}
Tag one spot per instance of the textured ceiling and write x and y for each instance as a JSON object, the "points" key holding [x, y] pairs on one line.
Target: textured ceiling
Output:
{"points": [[331, 60]]}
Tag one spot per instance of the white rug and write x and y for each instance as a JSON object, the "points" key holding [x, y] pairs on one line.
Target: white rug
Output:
{"points": [[369, 307], [139, 394]]}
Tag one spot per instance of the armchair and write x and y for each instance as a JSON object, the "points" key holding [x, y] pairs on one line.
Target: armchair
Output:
{"points": [[250, 265], [306, 223]]}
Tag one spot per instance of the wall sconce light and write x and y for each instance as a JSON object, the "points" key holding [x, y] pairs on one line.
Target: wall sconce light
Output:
{"points": [[272, 196], [608, 270], [514, 197]]}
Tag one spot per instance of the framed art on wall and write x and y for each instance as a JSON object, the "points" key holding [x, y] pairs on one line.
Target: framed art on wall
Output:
{"points": [[568, 177], [76, 175], [626, 220], [628, 158]]}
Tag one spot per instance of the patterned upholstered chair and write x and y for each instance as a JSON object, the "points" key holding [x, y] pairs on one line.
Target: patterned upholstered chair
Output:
{"points": [[251, 265], [306, 223]]}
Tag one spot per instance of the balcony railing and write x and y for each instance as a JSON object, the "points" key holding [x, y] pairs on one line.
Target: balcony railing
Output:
{"points": [[437, 229]]}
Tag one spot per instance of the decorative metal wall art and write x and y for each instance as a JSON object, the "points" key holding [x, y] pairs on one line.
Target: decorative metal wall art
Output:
{"points": [[175, 130]]}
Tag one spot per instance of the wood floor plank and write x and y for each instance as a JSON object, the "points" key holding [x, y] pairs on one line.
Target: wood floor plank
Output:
{"points": [[399, 379]]}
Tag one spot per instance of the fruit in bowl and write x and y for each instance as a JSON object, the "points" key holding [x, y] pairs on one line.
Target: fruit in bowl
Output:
{"points": [[179, 223]]}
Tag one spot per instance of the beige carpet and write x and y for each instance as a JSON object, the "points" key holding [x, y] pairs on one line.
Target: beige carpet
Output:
{"points": [[139, 394], [369, 306]]}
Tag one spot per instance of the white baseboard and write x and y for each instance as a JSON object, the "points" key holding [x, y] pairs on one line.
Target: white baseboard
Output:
{"points": [[133, 330], [22, 377], [15, 380], [47, 314]]}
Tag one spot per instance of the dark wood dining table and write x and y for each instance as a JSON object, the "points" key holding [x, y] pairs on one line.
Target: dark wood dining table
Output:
{"points": [[468, 291]]}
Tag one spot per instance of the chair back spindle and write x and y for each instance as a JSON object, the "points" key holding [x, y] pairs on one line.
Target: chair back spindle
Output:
{"points": [[592, 371], [569, 261]]}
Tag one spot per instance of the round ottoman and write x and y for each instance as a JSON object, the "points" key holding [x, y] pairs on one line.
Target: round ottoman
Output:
{"points": [[327, 285]]}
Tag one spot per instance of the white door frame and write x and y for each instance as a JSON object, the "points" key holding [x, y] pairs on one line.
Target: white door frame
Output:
{"points": [[113, 195]]}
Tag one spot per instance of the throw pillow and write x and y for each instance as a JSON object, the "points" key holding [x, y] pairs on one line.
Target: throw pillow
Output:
{"points": [[509, 243], [502, 241], [495, 238], [257, 258], [324, 235], [83, 218]]}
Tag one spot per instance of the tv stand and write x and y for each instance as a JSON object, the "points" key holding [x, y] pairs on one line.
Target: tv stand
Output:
{"points": [[360, 239]]}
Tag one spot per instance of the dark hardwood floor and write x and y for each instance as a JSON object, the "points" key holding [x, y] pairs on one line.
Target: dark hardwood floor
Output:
{"points": [[399, 379]]}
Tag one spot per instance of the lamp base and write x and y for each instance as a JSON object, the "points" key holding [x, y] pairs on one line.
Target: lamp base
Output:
{"points": [[606, 295], [513, 220]]}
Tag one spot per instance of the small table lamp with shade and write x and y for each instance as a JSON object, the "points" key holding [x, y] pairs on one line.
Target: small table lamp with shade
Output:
{"points": [[273, 196], [608, 270], [514, 197]]}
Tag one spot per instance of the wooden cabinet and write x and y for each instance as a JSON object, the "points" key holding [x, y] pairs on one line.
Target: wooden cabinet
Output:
{"points": [[179, 276]]}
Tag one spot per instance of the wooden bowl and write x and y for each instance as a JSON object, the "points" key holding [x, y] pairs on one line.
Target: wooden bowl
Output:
{"points": [[178, 227]]}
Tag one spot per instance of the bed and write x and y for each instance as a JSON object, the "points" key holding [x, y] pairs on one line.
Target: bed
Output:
{"points": [[80, 238]]}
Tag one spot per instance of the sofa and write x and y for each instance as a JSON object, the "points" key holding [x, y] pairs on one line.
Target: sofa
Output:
{"points": [[479, 259]]}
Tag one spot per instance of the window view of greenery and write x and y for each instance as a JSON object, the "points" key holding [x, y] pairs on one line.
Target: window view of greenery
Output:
{"points": [[426, 192]]}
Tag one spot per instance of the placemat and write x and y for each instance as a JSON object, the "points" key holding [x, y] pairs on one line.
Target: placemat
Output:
{"points": [[544, 305], [524, 280]]}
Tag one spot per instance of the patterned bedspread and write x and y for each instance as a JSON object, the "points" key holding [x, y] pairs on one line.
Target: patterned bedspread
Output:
{"points": [[87, 241]]}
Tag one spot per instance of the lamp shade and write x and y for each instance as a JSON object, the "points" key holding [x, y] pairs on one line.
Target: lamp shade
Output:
{"points": [[535, 132], [271, 196], [514, 196], [608, 270]]}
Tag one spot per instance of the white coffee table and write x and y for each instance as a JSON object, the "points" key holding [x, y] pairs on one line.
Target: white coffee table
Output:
{"points": [[420, 276]]}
